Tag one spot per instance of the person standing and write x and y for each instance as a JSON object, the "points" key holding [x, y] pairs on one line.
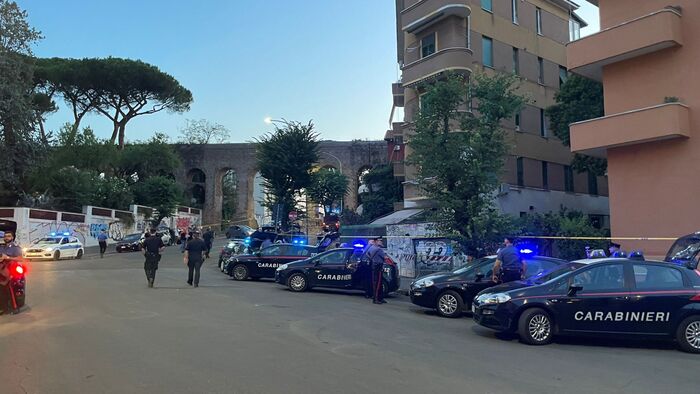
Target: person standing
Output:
{"points": [[102, 241], [153, 246], [366, 270], [376, 257], [509, 265], [208, 240], [194, 258], [8, 251], [183, 240]]}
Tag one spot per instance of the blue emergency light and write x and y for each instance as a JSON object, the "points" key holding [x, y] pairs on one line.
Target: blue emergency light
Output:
{"points": [[527, 249], [358, 245], [247, 240]]}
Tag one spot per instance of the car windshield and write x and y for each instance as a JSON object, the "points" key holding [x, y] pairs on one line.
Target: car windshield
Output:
{"points": [[554, 273], [48, 240], [684, 249], [132, 237], [473, 265]]}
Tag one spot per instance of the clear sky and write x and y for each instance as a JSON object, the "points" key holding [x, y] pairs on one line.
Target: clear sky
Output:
{"points": [[331, 61]]}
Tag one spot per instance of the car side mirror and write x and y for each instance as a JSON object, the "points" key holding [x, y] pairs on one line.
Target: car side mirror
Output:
{"points": [[480, 276], [573, 289]]}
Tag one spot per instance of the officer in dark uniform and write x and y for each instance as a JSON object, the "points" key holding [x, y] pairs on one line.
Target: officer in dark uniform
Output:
{"points": [[509, 265], [377, 256], [153, 246], [194, 258], [8, 251], [208, 240], [365, 271]]}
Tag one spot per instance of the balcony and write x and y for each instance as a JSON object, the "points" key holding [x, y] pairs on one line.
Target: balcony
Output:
{"points": [[641, 36], [658, 123], [426, 13], [448, 59], [397, 91]]}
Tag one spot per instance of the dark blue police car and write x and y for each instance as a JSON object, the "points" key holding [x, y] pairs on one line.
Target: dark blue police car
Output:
{"points": [[621, 297], [264, 263], [337, 268]]}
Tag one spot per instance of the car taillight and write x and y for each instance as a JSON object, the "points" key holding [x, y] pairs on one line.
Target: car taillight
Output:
{"points": [[695, 297]]}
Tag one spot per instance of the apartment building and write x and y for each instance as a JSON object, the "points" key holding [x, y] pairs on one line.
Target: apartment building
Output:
{"points": [[647, 56], [525, 37]]}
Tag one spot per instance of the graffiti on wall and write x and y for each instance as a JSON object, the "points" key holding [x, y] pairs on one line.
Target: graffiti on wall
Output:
{"points": [[116, 230], [97, 228], [38, 230]]}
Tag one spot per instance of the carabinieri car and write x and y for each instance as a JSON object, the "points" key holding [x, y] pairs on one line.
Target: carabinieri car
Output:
{"points": [[337, 268], [621, 297], [263, 264], [451, 293]]}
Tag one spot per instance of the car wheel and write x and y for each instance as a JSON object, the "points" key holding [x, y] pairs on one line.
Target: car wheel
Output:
{"points": [[79, 255], [688, 335], [297, 283], [450, 304], [240, 272], [535, 327], [56, 255], [385, 288]]}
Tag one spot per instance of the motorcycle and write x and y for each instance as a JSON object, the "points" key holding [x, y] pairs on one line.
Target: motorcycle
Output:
{"points": [[12, 275]]}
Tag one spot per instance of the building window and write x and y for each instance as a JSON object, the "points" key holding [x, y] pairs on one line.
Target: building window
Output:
{"points": [[543, 124], [517, 121], [427, 45], [398, 140], [597, 221], [592, 184], [487, 50], [574, 30], [538, 18], [563, 75], [516, 61], [514, 10], [545, 175], [520, 171], [469, 31], [540, 70], [568, 179], [487, 5]]}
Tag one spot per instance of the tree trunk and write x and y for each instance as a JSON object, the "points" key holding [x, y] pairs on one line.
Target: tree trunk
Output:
{"points": [[122, 127], [115, 131]]}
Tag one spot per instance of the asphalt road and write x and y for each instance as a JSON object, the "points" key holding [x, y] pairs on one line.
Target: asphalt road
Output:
{"points": [[92, 326]]}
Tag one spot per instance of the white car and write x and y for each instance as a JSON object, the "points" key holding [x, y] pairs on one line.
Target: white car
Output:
{"points": [[55, 247], [165, 236]]}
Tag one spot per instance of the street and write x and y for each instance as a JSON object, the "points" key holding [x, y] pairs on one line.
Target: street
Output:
{"points": [[92, 326]]}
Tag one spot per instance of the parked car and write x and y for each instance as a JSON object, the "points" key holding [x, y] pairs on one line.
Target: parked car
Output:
{"points": [[262, 264], [130, 243], [239, 232], [55, 247]]}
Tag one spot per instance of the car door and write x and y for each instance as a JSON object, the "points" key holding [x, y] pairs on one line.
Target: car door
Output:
{"points": [[659, 291], [268, 261], [75, 245], [66, 248], [596, 307], [537, 266], [332, 270], [478, 279]]}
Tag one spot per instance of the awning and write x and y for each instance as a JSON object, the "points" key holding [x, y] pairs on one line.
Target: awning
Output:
{"points": [[397, 217]]}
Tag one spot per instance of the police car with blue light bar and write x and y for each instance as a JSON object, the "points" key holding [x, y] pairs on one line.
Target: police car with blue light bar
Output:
{"points": [[55, 246], [610, 297]]}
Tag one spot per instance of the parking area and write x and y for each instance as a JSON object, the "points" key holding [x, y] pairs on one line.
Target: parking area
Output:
{"points": [[92, 325]]}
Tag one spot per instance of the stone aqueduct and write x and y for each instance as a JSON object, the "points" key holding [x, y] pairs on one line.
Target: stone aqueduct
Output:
{"points": [[204, 167]]}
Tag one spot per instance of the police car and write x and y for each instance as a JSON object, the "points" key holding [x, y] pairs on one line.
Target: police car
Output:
{"points": [[337, 268], [263, 264], [55, 246], [451, 293], [623, 297]]}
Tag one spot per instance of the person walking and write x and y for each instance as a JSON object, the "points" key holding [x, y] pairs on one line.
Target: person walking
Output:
{"points": [[377, 257], [509, 265], [102, 241], [8, 251], [208, 240], [194, 258], [183, 240], [153, 246]]}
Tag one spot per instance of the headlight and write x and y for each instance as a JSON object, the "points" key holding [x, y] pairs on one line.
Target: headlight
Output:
{"points": [[282, 267], [424, 283], [48, 249], [497, 298]]}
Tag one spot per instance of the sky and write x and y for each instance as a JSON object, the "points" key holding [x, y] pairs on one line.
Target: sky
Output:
{"points": [[329, 61]]}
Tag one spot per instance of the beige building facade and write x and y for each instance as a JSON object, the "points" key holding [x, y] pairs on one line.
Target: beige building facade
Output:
{"points": [[525, 37], [647, 56]]}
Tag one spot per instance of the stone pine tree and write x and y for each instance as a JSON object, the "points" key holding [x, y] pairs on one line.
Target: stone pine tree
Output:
{"points": [[459, 154], [578, 99], [286, 158]]}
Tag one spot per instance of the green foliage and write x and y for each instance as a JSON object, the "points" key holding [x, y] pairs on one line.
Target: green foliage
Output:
{"points": [[383, 190], [203, 132], [228, 208], [561, 224], [160, 193], [327, 187], [120, 89], [578, 99], [285, 159], [72, 188], [144, 159], [459, 170]]}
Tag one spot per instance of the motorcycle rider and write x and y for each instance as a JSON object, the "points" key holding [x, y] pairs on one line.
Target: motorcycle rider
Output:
{"points": [[8, 252]]}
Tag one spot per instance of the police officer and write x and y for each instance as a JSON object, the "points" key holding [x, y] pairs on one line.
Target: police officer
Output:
{"points": [[208, 240], [365, 268], [102, 240], [509, 265], [376, 257], [153, 246], [8, 251], [194, 257]]}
